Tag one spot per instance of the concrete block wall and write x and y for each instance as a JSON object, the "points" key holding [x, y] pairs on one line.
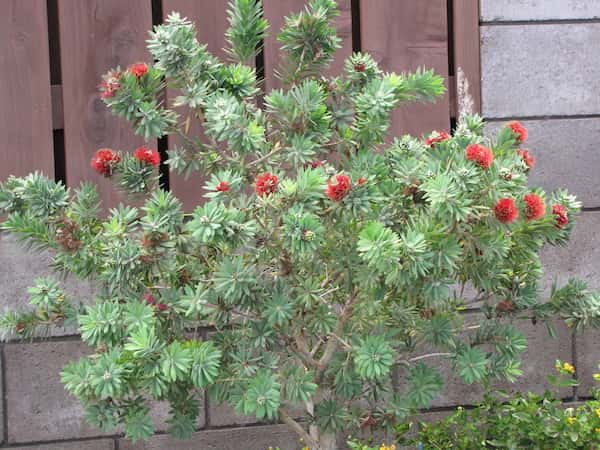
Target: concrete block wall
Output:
{"points": [[540, 64]]}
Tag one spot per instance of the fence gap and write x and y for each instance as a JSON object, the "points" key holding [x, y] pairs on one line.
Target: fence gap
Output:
{"points": [[54, 42], [450, 19], [58, 142], [58, 135], [259, 64], [162, 143], [355, 14]]}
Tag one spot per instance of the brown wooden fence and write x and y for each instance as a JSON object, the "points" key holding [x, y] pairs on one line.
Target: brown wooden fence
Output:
{"points": [[52, 53]]}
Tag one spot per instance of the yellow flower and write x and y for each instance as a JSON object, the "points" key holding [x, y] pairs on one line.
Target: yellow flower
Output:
{"points": [[571, 420], [568, 368], [598, 413], [597, 376], [387, 447], [597, 430]]}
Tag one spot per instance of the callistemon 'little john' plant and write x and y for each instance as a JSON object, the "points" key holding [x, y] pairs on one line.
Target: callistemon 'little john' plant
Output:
{"points": [[324, 269]]}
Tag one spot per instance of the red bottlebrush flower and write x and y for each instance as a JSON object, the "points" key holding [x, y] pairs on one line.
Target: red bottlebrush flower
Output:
{"points": [[266, 184], [527, 158], [360, 67], [149, 298], [138, 70], [534, 207], [316, 164], [223, 186], [436, 137], [146, 155], [361, 181], [506, 210], [518, 129], [104, 161], [109, 84], [338, 190], [480, 154], [561, 217], [162, 307]]}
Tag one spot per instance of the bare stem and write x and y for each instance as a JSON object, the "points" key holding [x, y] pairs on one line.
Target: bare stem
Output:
{"points": [[332, 343], [294, 425], [300, 348]]}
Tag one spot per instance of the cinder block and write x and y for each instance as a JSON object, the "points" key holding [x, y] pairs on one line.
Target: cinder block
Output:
{"points": [[39, 408], [566, 155], [100, 444], [538, 70], [246, 438], [580, 259], [508, 10], [224, 415], [19, 270], [588, 358], [536, 363], [221, 414]]}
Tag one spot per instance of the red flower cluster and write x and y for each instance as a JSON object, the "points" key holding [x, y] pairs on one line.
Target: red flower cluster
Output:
{"points": [[518, 129], [480, 154], [138, 70], [149, 299], [506, 210], [534, 207], [104, 161], [436, 137], [223, 186], [145, 155], [109, 84], [560, 215], [266, 184], [337, 190], [527, 158]]}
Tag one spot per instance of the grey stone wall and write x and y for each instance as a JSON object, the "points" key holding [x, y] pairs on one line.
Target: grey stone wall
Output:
{"points": [[540, 64]]}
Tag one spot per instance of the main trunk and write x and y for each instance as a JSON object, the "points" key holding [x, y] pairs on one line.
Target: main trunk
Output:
{"points": [[326, 442], [319, 439]]}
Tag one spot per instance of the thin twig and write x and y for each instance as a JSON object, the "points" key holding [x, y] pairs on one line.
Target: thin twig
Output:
{"points": [[343, 342], [429, 355], [276, 149]]}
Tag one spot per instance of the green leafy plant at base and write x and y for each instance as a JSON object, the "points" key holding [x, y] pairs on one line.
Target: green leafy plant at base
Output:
{"points": [[521, 421], [329, 267]]}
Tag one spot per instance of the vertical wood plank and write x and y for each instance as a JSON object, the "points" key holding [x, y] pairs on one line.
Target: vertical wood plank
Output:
{"points": [[96, 35], [276, 10], [403, 36], [25, 105], [467, 46], [210, 18]]}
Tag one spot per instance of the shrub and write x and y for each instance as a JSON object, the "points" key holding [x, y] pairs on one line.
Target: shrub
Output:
{"points": [[528, 421], [324, 264]]}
